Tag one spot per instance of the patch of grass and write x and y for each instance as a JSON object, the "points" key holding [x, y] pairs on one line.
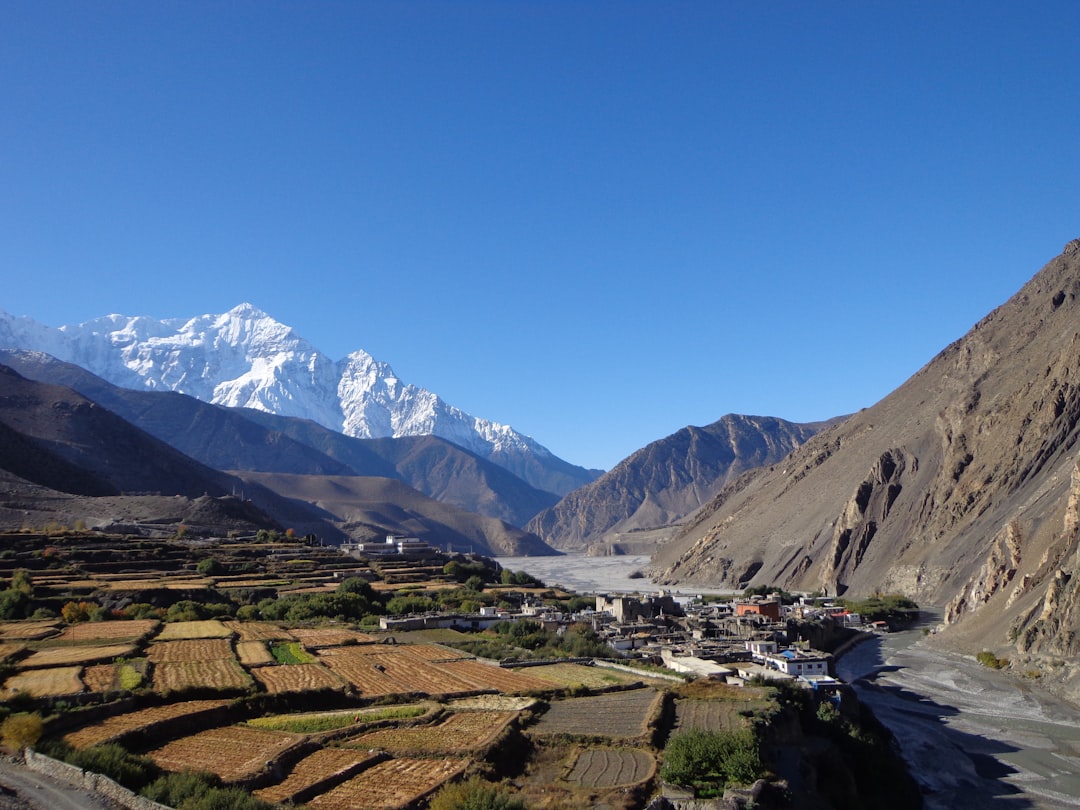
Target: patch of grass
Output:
{"points": [[331, 721], [291, 652]]}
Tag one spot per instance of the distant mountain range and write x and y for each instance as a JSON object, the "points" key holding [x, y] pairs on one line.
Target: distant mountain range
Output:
{"points": [[65, 458], [245, 359]]}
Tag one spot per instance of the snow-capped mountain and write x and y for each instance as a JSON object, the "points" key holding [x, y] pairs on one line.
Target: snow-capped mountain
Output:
{"points": [[244, 358]]}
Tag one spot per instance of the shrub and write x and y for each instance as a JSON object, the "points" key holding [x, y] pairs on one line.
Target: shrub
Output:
{"points": [[475, 794], [22, 730], [988, 659]]}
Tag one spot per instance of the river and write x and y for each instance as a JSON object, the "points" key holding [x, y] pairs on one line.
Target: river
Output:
{"points": [[974, 738]]}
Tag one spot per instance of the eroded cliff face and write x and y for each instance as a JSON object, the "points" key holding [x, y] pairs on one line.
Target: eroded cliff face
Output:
{"points": [[959, 489]]}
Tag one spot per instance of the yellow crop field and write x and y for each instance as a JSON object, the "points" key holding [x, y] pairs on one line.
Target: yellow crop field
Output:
{"points": [[107, 631], [231, 752], [58, 656], [113, 727], [391, 785], [581, 675], [210, 628], [253, 653], [45, 682]]}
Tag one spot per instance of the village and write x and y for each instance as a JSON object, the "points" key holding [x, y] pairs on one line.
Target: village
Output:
{"points": [[733, 640]]}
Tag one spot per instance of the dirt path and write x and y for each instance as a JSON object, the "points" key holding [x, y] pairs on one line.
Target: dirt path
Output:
{"points": [[23, 789]]}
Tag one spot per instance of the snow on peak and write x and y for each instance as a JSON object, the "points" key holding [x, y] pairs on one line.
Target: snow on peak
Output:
{"points": [[245, 358]]}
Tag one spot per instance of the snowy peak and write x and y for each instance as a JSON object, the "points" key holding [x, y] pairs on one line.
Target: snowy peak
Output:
{"points": [[244, 358]]}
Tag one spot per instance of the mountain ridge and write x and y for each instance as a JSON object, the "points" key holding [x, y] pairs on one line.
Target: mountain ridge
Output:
{"points": [[245, 358]]}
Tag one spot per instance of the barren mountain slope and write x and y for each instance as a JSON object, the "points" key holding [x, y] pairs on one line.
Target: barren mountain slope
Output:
{"points": [[667, 480], [953, 489], [369, 508]]}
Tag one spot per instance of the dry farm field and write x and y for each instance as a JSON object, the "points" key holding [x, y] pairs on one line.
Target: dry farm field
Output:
{"points": [[315, 769], [209, 628], [253, 653], [28, 630], [126, 630], [313, 637], [379, 670], [118, 725], [459, 733], [487, 676], [392, 785], [52, 682], [223, 675], [296, 678], [611, 767], [58, 656], [231, 752], [258, 631], [207, 649], [619, 715]]}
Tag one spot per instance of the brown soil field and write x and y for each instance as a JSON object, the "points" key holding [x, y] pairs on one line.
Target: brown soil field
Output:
{"points": [[391, 785], [460, 733], [231, 752], [45, 682], [57, 656], [28, 630], [253, 653], [323, 764], [100, 677], [611, 767], [487, 676], [387, 670], [313, 637], [258, 631], [9, 649], [621, 715], [219, 674], [128, 629], [205, 649], [296, 678], [210, 628], [708, 715], [113, 727]]}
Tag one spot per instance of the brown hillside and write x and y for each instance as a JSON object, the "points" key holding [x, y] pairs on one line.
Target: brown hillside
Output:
{"points": [[953, 489]]}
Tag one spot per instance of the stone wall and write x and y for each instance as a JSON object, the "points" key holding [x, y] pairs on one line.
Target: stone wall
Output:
{"points": [[94, 782]]}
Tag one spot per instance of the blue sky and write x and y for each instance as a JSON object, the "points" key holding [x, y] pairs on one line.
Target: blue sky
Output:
{"points": [[598, 222]]}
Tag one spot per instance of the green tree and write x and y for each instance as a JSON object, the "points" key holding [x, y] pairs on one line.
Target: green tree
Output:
{"points": [[710, 760], [211, 567]]}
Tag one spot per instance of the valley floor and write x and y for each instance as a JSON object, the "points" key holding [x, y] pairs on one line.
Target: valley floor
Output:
{"points": [[973, 737]]}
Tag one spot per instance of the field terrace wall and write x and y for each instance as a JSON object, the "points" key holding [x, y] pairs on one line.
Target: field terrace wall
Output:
{"points": [[94, 782]]}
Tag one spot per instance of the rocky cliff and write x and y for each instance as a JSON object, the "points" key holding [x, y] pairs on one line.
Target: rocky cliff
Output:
{"points": [[957, 489]]}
